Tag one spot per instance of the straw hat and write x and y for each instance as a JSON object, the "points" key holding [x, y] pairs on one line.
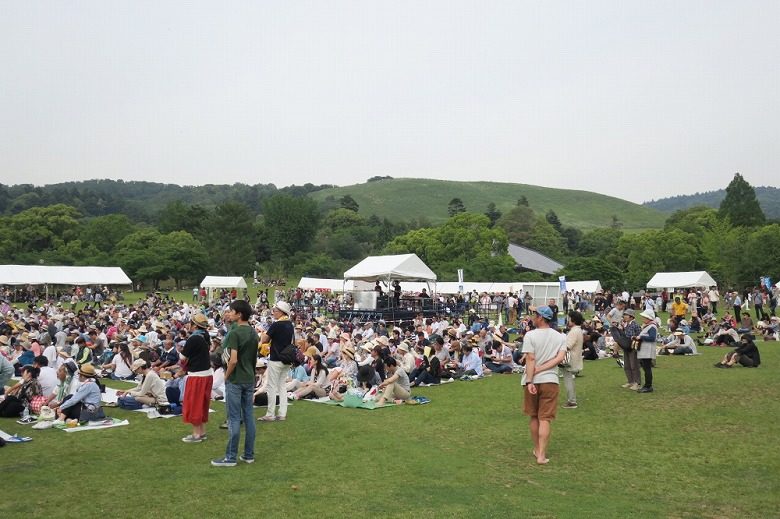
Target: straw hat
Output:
{"points": [[200, 320], [87, 370]]}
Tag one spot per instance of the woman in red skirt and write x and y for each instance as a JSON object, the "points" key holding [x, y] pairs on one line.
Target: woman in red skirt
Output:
{"points": [[197, 390]]}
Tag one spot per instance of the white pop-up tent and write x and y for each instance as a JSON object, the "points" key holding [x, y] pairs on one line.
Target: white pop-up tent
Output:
{"points": [[212, 282], [672, 280], [403, 267], [50, 275]]}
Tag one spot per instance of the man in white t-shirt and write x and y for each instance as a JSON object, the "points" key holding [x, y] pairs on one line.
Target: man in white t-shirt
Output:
{"points": [[47, 378], [544, 349]]}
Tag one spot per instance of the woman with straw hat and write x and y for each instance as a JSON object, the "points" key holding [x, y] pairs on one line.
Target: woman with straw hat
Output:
{"points": [[84, 404]]}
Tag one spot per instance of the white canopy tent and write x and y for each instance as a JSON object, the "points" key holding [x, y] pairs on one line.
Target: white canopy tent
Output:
{"points": [[590, 287], [403, 267], [325, 284], [50, 275], [671, 280], [212, 282]]}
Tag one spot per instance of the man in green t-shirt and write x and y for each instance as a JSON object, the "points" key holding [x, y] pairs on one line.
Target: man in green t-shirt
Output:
{"points": [[241, 345]]}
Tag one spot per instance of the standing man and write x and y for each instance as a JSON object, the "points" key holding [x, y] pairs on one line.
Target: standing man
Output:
{"points": [[280, 334], [544, 349], [714, 297], [241, 349]]}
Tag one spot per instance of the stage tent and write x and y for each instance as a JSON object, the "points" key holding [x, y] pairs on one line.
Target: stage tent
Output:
{"points": [[223, 282], [403, 267], [50, 275], [212, 282], [681, 280]]}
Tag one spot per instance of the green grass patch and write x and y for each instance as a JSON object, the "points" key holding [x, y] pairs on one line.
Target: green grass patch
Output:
{"points": [[703, 445], [407, 198]]}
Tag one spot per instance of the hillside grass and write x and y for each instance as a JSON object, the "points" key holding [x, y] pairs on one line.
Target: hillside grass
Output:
{"points": [[405, 198], [704, 445]]}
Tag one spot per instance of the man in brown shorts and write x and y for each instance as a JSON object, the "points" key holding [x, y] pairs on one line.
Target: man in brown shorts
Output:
{"points": [[544, 349]]}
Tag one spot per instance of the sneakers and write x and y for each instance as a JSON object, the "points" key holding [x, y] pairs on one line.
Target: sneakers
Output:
{"points": [[281, 418], [292, 396], [626, 386], [570, 405], [191, 438], [223, 425], [246, 460], [620, 362], [223, 462], [634, 387], [267, 418], [645, 390]]}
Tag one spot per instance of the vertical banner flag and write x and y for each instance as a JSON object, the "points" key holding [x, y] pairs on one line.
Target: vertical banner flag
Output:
{"points": [[460, 281], [562, 281]]}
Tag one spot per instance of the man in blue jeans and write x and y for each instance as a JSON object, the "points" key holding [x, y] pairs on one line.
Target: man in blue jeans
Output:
{"points": [[241, 348]]}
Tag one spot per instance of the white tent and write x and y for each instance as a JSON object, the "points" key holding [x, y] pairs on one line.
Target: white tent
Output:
{"points": [[681, 280], [223, 282], [332, 285], [49, 275], [590, 287], [403, 267]]}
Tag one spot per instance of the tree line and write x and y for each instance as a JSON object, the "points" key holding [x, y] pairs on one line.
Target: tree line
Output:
{"points": [[284, 233]]}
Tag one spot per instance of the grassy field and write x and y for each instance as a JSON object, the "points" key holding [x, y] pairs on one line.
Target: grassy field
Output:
{"points": [[703, 445], [415, 198]]}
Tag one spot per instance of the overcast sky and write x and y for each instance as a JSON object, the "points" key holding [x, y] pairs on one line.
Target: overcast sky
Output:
{"points": [[634, 99]]}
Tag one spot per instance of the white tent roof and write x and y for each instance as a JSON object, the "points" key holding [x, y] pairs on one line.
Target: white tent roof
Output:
{"points": [[48, 275], [223, 282], [402, 267], [681, 280], [334, 285], [584, 286]]}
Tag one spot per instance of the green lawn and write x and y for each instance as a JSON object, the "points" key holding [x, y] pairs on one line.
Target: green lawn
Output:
{"points": [[703, 445]]}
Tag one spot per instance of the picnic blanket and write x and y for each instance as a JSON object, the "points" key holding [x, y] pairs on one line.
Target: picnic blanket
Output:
{"points": [[95, 425], [13, 438], [356, 402]]}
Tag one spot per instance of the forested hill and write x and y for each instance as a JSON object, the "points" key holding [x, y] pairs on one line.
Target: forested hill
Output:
{"points": [[768, 198], [141, 201], [406, 198], [424, 200]]}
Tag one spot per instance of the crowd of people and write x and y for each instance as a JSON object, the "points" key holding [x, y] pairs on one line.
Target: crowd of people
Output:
{"points": [[184, 355]]}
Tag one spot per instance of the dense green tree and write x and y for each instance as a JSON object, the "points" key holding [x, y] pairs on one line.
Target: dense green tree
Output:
{"points": [[232, 240], [43, 228], [760, 256], [517, 223], [573, 237], [181, 257], [342, 219], [591, 268], [291, 223], [492, 213], [546, 240], [104, 232], [455, 207], [464, 241], [522, 201], [136, 254], [553, 220], [740, 206], [599, 242], [347, 202]]}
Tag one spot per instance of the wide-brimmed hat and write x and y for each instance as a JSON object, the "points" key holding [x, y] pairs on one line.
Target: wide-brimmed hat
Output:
{"points": [[311, 352], [403, 346], [283, 306], [137, 364], [648, 314], [679, 333], [200, 320], [87, 370], [4, 340], [382, 340], [349, 351], [368, 346], [629, 312]]}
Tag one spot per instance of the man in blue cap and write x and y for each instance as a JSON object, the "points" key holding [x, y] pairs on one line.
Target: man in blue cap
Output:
{"points": [[544, 349]]}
